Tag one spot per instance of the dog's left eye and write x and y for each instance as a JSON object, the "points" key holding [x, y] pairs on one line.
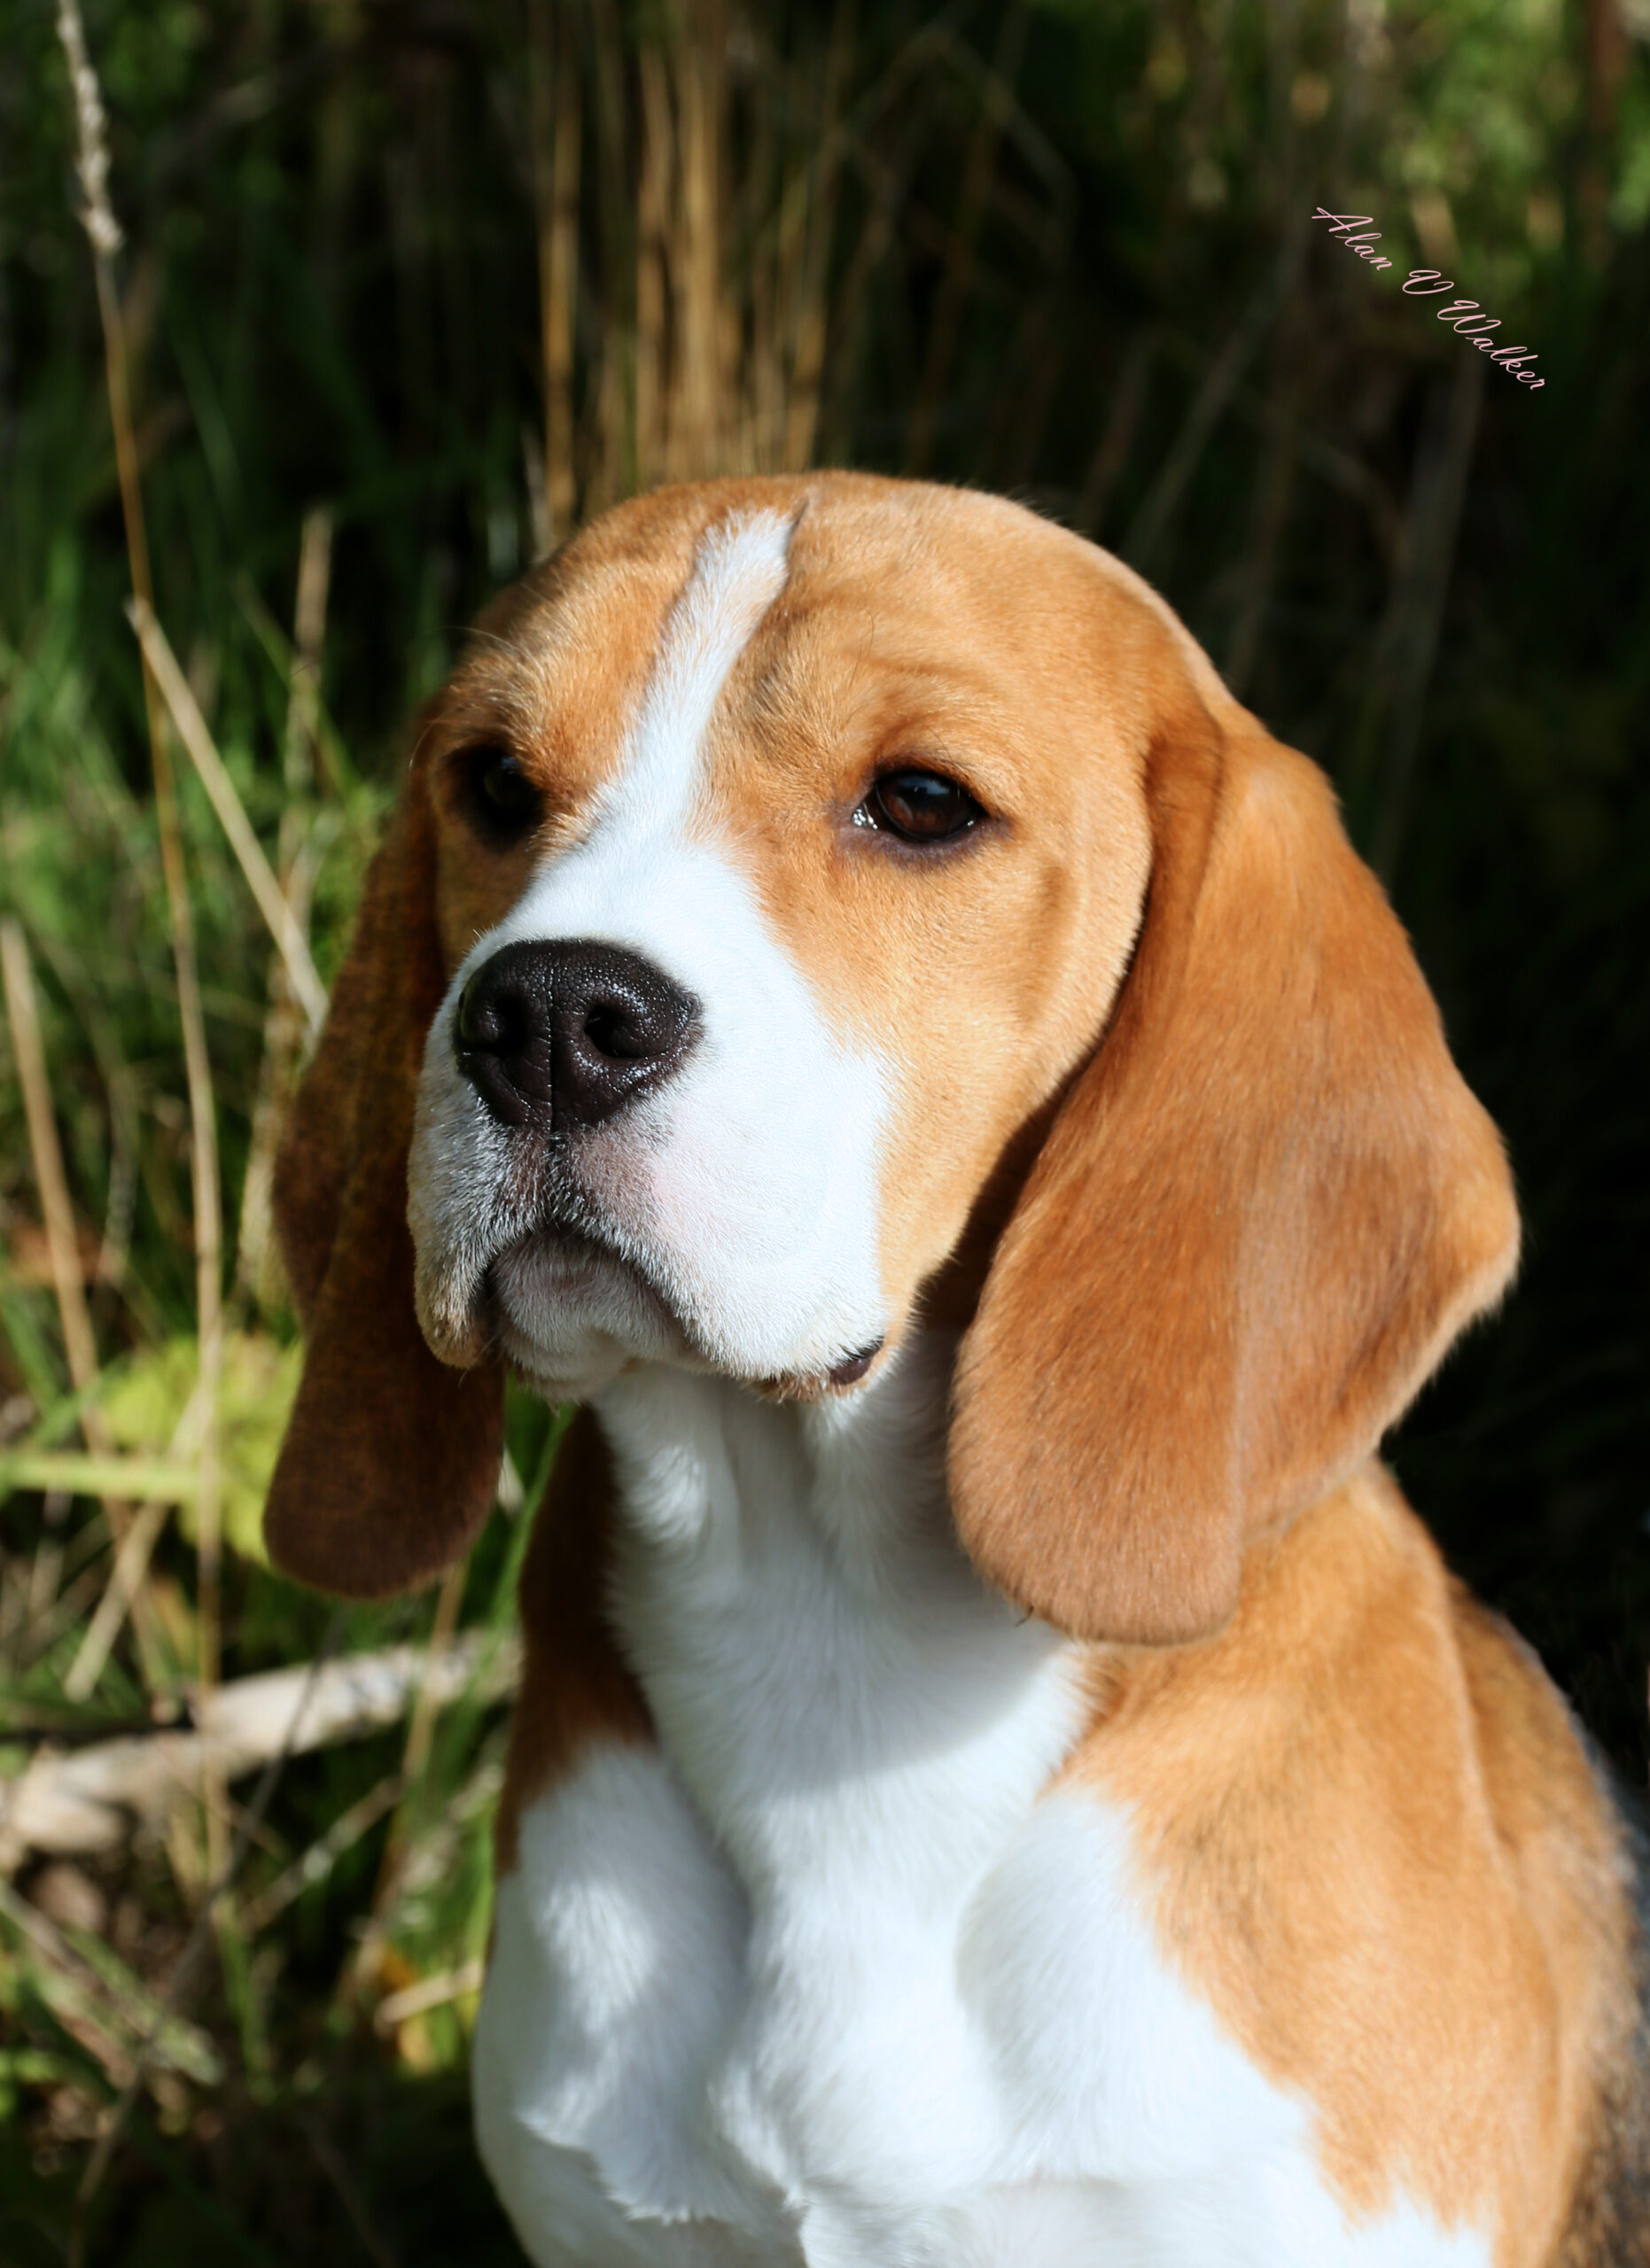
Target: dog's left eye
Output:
{"points": [[921, 807], [502, 800]]}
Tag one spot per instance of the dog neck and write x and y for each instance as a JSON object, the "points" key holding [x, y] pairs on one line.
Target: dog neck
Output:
{"points": [[846, 1705]]}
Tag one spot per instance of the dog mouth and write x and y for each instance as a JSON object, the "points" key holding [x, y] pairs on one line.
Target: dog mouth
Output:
{"points": [[569, 1309], [566, 1287], [562, 1300]]}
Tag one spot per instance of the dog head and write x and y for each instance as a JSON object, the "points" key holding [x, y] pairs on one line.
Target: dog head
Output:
{"points": [[814, 905]]}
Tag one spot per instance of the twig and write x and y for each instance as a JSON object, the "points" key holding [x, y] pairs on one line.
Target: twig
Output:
{"points": [[86, 1800], [214, 778]]}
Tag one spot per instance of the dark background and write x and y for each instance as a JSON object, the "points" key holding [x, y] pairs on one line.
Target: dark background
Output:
{"points": [[456, 275]]}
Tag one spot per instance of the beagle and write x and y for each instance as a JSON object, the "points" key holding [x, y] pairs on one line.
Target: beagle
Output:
{"points": [[1001, 1775]]}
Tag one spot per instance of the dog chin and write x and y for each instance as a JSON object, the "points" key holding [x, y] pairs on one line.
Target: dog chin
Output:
{"points": [[570, 1315]]}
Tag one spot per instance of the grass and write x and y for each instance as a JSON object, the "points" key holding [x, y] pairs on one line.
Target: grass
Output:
{"points": [[404, 294]]}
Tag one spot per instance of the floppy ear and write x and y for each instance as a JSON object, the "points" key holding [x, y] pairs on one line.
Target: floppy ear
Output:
{"points": [[1266, 1205], [391, 1459]]}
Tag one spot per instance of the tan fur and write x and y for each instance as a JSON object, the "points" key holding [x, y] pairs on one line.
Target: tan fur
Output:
{"points": [[1372, 1841], [1175, 1133]]}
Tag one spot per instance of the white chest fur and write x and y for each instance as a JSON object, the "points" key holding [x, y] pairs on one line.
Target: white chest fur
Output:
{"points": [[821, 1979]]}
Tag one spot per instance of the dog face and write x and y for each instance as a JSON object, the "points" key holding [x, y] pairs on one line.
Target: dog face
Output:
{"points": [[817, 902], [735, 1032]]}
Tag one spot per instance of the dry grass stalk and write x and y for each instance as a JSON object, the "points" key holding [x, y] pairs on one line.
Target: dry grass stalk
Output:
{"points": [[207, 1196], [214, 774], [699, 53], [131, 1568], [429, 1993], [609, 460], [79, 1342], [421, 1731], [1408, 644], [1221, 381], [555, 156], [303, 708], [1116, 438], [257, 1265], [51, 1183], [101, 2001], [331, 2160], [414, 1758], [317, 1862], [810, 323], [944, 330], [653, 192]]}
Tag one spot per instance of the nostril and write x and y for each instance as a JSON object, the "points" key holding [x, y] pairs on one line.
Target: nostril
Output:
{"points": [[611, 1032], [632, 1030], [489, 1016]]}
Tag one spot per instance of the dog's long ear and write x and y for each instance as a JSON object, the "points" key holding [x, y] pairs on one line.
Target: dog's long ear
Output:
{"points": [[1265, 1208], [391, 1459]]}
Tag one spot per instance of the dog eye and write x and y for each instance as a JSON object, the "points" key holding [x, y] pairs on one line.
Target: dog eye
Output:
{"points": [[502, 801], [919, 807]]}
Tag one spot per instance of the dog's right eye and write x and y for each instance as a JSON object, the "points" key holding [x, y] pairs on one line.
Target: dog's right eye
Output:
{"points": [[501, 801]]}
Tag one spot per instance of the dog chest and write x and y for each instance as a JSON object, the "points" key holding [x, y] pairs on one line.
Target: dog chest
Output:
{"points": [[827, 1976]]}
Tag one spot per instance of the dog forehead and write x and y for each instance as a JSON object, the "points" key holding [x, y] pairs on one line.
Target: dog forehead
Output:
{"points": [[891, 590]]}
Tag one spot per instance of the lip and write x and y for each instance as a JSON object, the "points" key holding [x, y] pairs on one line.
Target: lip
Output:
{"points": [[564, 1260], [587, 1283]]}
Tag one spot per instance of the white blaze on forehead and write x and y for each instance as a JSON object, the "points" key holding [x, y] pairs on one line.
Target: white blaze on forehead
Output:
{"points": [[738, 571]]}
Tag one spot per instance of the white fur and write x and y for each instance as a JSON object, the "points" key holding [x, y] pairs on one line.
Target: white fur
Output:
{"points": [[827, 1978], [729, 1218]]}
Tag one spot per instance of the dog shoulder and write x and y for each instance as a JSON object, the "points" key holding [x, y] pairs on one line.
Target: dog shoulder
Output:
{"points": [[1373, 1842]]}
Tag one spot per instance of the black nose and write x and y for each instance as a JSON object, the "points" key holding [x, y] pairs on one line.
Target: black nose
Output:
{"points": [[562, 1034]]}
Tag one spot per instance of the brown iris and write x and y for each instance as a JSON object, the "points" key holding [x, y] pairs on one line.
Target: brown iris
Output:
{"points": [[920, 807]]}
